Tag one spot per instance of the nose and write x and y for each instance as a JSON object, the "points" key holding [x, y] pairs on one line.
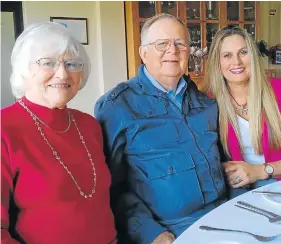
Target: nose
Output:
{"points": [[61, 72], [172, 47], [236, 59]]}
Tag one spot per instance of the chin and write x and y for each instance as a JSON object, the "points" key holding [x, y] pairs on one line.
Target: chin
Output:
{"points": [[238, 79], [58, 103], [241, 79], [58, 100], [174, 74]]}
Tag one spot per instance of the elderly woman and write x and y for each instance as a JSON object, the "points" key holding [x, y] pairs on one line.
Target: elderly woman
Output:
{"points": [[249, 105], [55, 183]]}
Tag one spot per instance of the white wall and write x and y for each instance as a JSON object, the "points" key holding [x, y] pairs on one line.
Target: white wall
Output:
{"points": [[111, 32], [7, 43], [107, 45]]}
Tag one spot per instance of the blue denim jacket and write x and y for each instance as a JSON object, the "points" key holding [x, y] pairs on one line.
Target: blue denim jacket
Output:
{"points": [[165, 163]]}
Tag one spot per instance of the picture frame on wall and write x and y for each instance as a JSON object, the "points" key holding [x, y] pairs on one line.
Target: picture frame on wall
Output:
{"points": [[78, 27]]}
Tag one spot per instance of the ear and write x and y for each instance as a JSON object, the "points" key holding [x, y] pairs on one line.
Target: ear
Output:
{"points": [[142, 53]]}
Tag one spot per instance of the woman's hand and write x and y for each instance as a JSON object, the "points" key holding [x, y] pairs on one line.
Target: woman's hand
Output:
{"points": [[240, 173]]}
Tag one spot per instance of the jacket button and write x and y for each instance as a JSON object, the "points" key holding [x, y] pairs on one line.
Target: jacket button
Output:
{"points": [[113, 94], [171, 170], [149, 112]]}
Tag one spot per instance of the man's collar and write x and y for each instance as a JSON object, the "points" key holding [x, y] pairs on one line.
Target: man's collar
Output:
{"points": [[150, 86], [181, 86], [142, 85], [153, 80]]}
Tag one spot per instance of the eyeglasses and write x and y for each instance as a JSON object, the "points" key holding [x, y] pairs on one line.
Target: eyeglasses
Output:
{"points": [[52, 64], [165, 44]]}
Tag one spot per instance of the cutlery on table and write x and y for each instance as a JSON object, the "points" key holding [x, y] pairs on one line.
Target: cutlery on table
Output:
{"points": [[267, 192], [258, 237], [272, 217]]}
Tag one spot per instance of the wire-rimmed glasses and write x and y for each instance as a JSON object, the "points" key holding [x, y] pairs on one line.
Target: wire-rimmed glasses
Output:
{"points": [[165, 44], [52, 64]]}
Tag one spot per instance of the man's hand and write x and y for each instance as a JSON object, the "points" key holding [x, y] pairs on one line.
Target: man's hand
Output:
{"points": [[247, 173], [164, 238]]}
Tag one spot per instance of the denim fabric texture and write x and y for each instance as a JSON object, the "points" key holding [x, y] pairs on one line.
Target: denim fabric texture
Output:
{"points": [[165, 162]]}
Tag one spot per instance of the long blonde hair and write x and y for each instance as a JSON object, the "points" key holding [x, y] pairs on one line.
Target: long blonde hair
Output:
{"points": [[261, 98]]}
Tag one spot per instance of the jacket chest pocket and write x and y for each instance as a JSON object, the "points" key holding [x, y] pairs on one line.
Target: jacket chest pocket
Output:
{"points": [[172, 188]]}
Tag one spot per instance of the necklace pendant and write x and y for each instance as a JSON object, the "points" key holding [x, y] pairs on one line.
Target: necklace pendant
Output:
{"points": [[244, 111]]}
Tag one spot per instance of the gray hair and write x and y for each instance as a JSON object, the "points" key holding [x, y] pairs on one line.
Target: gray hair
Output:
{"points": [[146, 26], [49, 39]]}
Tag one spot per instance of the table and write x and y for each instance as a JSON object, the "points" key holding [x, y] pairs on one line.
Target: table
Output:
{"points": [[230, 217]]}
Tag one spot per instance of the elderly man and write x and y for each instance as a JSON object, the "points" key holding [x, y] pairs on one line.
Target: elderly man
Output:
{"points": [[161, 141]]}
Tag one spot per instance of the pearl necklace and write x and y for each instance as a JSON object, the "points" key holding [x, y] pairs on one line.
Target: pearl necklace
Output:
{"points": [[35, 118]]}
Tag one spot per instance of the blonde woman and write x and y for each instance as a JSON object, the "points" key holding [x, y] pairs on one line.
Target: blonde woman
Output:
{"points": [[249, 105]]}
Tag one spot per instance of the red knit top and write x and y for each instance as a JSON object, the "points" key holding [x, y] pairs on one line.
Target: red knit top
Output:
{"points": [[40, 203]]}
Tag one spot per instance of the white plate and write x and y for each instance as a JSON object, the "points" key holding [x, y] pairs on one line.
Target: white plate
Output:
{"points": [[270, 197], [224, 242]]}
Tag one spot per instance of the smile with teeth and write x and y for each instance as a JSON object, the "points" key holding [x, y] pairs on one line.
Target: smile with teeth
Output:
{"points": [[237, 71], [59, 85]]}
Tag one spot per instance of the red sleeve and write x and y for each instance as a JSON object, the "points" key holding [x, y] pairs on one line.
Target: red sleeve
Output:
{"points": [[6, 189]]}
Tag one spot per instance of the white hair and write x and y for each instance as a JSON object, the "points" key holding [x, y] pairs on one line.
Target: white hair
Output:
{"points": [[148, 23], [43, 40]]}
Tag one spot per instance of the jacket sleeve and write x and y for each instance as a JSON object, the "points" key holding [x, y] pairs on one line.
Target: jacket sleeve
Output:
{"points": [[6, 191], [134, 221]]}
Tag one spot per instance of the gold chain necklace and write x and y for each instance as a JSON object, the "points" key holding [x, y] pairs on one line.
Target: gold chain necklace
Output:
{"points": [[57, 131], [35, 118]]}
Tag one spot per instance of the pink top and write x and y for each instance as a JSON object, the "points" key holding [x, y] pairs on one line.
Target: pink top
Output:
{"points": [[269, 154]]}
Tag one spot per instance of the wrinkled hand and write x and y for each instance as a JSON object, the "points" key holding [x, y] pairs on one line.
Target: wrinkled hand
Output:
{"points": [[248, 173], [164, 238]]}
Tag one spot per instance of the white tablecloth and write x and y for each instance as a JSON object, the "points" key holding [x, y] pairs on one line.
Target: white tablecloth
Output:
{"points": [[230, 217]]}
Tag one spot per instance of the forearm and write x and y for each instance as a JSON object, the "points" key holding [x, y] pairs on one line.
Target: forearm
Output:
{"points": [[277, 170], [135, 220]]}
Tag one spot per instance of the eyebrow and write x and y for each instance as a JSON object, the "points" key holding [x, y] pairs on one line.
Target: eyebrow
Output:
{"points": [[238, 50]]}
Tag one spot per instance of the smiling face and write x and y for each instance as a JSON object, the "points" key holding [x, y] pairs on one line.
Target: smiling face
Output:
{"points": [[165, 66], [235, 60], [52, 88]]}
